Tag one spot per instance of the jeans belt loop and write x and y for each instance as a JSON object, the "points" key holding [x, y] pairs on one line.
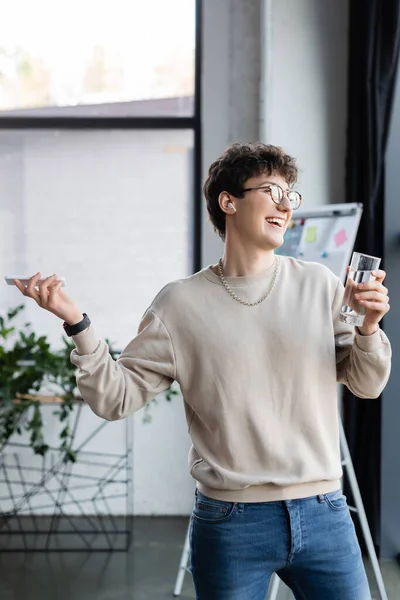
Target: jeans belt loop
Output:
{"points": [[321, 498]]}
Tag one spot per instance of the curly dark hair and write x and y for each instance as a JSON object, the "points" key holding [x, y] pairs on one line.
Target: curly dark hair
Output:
{"points": [[235, 166]]}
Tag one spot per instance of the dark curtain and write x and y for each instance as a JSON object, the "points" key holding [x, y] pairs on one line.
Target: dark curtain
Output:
{"points": [[374, 33]]}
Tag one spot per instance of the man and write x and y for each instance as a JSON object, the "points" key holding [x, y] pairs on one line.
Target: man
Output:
{"points": [[257, 349]]}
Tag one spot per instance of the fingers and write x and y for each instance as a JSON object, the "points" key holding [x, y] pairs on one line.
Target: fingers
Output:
{"points": [[372, 296], [373, 285], [40, 295], [30, 290], [381, 307], [55, 284], [375, 299], [379, 275], [54, 288], [20, 286], [44, 289]]}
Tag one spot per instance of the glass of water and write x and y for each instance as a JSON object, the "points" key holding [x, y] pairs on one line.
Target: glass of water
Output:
{"points": [[361, 268]]}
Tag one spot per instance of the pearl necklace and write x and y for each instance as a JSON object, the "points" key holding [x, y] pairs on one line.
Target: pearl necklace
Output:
{"points": [[235, 297]]}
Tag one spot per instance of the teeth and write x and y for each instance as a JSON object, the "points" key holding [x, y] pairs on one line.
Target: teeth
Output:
{"points": [[279, 222]]}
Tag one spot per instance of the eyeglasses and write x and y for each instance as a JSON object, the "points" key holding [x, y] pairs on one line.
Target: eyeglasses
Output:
{"points": [[278, 194]]}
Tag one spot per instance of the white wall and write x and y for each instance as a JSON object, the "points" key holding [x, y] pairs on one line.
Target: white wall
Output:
{"points": [[304, 90], [112, 212], [276, 71], [230, 94]]}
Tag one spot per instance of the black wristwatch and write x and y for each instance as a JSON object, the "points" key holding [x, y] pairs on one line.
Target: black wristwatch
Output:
{"points": [[74, 329]]}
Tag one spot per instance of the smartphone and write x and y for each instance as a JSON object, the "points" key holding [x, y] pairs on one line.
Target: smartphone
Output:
{"points": [[25, 280]]}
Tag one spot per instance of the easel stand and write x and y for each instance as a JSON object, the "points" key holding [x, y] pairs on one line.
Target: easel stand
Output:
{"points": [[359, 509]]}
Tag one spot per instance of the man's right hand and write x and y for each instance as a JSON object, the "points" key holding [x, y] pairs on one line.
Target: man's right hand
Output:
{"points": [[51, 297]]}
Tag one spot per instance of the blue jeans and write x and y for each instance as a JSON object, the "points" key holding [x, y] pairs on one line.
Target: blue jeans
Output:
{"points": [[311, 543]]}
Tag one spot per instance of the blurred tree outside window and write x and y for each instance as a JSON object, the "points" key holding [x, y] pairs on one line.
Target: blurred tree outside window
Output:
{"points": [[94, 53]]}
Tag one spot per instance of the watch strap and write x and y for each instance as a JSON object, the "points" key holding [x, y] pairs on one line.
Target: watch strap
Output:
{"points": [[75, 329]]}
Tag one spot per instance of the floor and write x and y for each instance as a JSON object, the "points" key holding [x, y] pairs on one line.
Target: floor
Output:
{"points": [[146, 572]]}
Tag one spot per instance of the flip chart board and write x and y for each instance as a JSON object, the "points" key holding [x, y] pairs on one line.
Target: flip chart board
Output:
{"points": [[325, 234]]}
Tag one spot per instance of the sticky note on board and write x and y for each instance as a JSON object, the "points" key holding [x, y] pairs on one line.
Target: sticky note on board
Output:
{"points": [[340, 238], [311, 235]]}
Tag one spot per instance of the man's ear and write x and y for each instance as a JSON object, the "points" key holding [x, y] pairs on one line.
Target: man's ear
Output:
{"points": [[226, 203]]}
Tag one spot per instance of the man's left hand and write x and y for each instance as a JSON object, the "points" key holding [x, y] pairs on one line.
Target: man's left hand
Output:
{"points": [[374, 296]]}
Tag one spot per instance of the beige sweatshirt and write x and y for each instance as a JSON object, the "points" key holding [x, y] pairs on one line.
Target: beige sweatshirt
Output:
{"points": [[258, 383]]}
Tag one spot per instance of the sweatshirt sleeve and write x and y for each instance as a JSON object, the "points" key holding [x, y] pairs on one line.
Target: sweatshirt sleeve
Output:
{"points": [[363, 363], [115, 388]]}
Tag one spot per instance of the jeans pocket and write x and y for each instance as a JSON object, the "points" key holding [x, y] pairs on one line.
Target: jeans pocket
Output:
{"points": [[336, 500], [209, 510]]}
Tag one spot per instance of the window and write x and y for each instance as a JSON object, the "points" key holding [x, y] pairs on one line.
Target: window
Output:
{"points": [[120, 58], [111, 209]]}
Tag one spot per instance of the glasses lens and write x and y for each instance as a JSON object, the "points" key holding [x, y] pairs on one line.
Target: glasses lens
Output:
{"points": [[294, 199], [276, 193]]}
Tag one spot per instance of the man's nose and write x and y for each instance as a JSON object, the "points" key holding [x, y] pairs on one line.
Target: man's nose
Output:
{"points": [[284, 206]]}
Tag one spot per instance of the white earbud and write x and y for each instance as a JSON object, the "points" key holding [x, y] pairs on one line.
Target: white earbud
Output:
{"points": [[230, 205]]}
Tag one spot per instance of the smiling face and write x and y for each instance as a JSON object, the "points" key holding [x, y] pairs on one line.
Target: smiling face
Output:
{"points": [[258, 221]]}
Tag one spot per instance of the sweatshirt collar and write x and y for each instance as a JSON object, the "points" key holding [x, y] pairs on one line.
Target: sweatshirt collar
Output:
{"points": [[238, 281]]}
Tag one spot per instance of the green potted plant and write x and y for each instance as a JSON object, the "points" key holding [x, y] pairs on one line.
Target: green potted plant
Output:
{"points": [[27, 363]]}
